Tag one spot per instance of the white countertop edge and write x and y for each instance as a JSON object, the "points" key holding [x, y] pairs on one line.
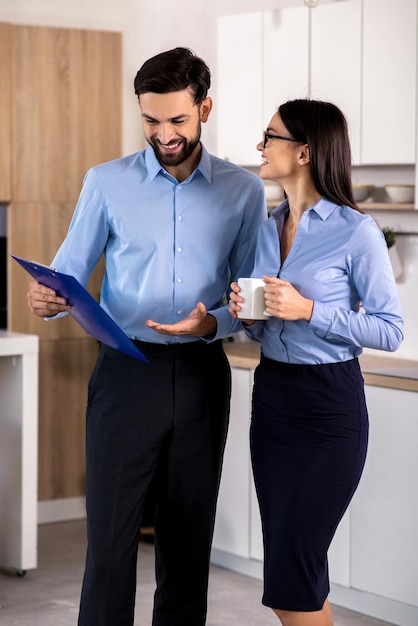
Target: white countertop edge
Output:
{"points": [[12, 343]]}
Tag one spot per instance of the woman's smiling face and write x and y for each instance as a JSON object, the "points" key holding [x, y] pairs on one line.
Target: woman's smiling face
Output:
{"points": [[279, 151]]}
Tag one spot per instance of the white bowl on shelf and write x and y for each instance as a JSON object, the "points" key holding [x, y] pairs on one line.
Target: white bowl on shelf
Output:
{"points": [[362, 192], [403, 194]]}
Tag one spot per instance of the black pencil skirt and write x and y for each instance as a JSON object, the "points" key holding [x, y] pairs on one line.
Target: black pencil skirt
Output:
{"points": [[309, 434]]}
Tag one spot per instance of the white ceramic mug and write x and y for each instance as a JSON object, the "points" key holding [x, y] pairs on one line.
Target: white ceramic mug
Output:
{"points": [[253, 307]]}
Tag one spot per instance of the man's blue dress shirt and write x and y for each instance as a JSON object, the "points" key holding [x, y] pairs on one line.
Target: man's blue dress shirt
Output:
{"points": [[167, 245], [339, 259]]}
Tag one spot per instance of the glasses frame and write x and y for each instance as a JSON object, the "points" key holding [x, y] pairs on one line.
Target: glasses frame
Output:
{"points": [[267, 136]]}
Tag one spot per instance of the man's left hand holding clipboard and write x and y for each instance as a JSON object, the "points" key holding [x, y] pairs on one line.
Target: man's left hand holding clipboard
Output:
{"points": [[55, 292]]}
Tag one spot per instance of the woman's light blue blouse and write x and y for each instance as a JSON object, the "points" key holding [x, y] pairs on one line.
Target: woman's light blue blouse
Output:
{"points": [[339, 259]]}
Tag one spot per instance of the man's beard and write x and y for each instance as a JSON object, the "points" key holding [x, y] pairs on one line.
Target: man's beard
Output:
{"points": [[170, 160]]}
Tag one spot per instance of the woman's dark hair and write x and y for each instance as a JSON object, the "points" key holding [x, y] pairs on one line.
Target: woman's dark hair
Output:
{"points": [[174, 70], [323, 127]]}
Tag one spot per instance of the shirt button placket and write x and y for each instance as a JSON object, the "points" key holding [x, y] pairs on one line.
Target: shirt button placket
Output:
{"points": [[179, 249]]}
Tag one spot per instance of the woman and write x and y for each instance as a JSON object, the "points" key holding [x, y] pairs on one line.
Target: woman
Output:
{"points": [[329, 291]]}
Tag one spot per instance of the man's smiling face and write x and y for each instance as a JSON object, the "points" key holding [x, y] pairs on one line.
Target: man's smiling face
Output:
{"points": [[172, 125]]}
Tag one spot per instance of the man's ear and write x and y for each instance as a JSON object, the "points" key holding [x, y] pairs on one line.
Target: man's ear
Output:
{"points": [[205, 109]]}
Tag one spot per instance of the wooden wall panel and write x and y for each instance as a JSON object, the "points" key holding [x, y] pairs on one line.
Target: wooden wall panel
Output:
{"points": [[5, 112], [36, 231], [66, 368], [66, 117], [66, 92]]}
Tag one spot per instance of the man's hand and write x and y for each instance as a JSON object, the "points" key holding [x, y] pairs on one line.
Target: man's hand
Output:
{"points": [[199, 323], [45, 302]]}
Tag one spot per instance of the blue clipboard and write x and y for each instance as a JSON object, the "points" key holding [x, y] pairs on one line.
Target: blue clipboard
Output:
{"points": [[84, 308]]}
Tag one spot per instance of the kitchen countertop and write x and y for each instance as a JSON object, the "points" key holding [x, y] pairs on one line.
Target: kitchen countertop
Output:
{"points": [[12, 343], [377, 371]]}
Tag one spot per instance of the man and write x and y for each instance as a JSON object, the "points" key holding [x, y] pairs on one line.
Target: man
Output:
{"points": [[174, 224]]}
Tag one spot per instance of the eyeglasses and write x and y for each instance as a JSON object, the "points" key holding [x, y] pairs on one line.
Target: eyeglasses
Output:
{"points": [[267, 136]]}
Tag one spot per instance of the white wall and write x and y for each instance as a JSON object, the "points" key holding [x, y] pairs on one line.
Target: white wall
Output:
{"points": [[151, 26], [407, 245]]}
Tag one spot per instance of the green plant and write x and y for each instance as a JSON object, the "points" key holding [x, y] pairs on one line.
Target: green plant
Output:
{"points": [[390, 236]]}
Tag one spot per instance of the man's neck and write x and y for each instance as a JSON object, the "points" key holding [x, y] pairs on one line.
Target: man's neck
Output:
{"points": [[183, 171]]}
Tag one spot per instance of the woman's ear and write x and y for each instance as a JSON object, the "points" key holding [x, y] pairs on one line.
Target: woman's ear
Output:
{"points": [[304, 155]]}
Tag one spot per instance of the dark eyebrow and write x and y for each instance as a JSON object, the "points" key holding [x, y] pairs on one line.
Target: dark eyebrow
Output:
{"points": [[182, 116]]}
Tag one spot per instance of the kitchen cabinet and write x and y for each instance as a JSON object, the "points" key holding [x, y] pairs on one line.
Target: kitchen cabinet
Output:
{"points": [[61, 84], [360, 54], [285, 45], [64, 117], [256, 73], [237, 541], [66, 367], [232, 528], [376, 557], [389, 81], [336, 52], [375, 54], [384, 512], [239, 103], [18, 450], [5, 113]]}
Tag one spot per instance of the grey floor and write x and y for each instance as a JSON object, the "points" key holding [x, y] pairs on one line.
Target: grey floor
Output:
{"points": [[48, 595]]}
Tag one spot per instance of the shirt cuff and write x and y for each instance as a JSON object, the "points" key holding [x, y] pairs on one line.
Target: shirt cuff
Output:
{"points": [[226, 325], [321, 319]]}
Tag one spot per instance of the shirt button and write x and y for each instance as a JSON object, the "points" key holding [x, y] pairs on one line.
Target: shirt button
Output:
{"points": [[179, 249], [180, 217], [179, 311], [179, 280]]}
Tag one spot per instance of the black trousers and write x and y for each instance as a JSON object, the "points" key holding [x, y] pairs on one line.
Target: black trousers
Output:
{"points": [[164, 421]]}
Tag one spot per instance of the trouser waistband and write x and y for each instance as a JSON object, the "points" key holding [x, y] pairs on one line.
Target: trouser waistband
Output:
{"points": [[176, 350]]}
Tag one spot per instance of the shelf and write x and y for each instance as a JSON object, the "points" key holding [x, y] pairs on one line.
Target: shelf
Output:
{"points": [[385, 206]]}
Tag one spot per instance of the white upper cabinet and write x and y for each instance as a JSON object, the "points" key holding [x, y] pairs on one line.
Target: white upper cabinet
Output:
{"points": [[285, 57], [363, 58], [259, 67], [359, 54], [389, 81], [336, 62], [238, 104]]}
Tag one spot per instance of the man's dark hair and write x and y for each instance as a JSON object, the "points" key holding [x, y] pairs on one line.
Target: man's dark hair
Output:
{"points": [[174, 70]]}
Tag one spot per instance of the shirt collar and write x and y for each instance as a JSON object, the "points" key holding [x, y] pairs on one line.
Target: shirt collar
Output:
{"points": [[323, 208], [154, 168]]}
